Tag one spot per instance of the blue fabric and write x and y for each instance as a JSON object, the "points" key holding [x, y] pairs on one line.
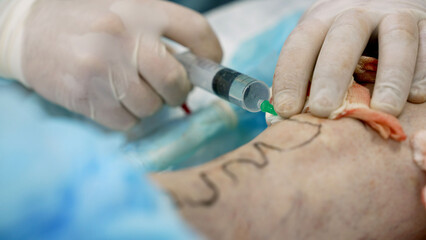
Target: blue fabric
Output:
{"points": [[62, 177]]}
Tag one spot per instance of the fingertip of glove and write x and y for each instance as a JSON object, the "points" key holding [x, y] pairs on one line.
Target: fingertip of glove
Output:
{"points": [[123, 126], [286, 106], [182, 94], [129, 126], [322, 107], [417, 95], [389, 105]]}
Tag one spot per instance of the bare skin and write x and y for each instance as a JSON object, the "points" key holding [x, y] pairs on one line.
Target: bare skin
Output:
{"points": [[308, 178]]}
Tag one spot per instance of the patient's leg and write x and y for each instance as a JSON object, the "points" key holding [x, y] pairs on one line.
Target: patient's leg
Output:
{"points": [[308, 178]]}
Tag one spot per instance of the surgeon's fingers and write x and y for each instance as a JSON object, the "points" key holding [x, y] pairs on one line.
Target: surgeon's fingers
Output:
{"points": [[133, 92], [97, 102], [162, 71], [295, 66], [398, 45], [192, 30], [418, 88], [111, 114], [342, 48], [91, 98]]}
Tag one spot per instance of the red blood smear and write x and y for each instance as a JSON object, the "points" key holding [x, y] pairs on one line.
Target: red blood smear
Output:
{"points": [[186, 109]]}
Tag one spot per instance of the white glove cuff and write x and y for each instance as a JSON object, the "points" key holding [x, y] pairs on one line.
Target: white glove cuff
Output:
{"points": [[13, 14]]}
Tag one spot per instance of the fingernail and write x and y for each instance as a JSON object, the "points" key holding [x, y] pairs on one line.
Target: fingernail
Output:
{"points": [[322, 105], [384, 102], [285, 104], [417, 95]]}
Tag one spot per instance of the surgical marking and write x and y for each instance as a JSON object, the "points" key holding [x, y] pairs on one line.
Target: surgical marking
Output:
{"points": [[209, 201], [260, 148]]}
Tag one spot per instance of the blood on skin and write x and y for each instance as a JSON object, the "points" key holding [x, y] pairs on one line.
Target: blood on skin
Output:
{"points": [[357, 104]]}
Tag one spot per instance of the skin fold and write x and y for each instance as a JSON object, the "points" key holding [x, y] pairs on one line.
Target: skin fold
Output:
{"points": [[308, 178]]}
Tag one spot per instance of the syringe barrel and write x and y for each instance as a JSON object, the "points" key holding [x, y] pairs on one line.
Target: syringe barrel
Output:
{"points": [[226, 83], [200, 71]]}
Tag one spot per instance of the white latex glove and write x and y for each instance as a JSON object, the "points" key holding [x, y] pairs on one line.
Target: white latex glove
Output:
{"points": [[328, 42], [105, 58]]}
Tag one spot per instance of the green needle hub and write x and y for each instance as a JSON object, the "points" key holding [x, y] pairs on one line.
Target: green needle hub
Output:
{"points": [[267, 107]]}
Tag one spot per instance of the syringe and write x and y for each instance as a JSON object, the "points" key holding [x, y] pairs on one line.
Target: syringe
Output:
{"points": [[235, 87]]}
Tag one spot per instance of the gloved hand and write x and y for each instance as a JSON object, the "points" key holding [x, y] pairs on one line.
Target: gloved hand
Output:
{"points": [[105, 58], [328, 42]]}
